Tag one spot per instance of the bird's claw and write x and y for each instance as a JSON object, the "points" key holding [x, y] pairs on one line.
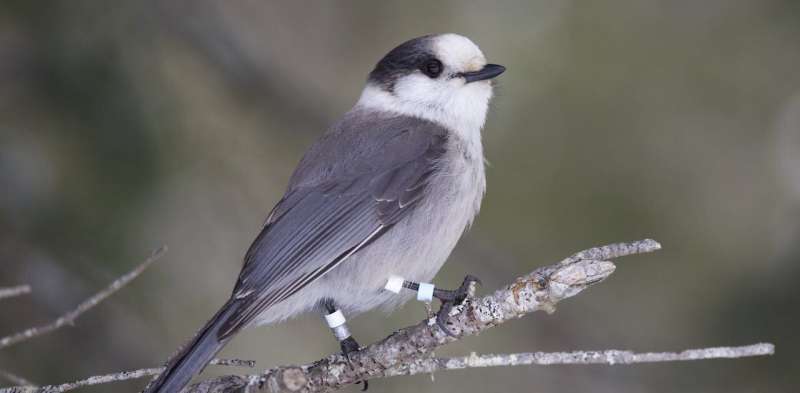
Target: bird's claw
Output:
{"points": [[350, 346], [453, 298]]}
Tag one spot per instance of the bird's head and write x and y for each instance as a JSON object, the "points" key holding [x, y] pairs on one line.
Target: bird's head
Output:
{"points": [[444, 78]]}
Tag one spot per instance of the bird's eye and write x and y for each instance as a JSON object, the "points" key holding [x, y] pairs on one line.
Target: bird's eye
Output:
{"points": [[432, 68]]}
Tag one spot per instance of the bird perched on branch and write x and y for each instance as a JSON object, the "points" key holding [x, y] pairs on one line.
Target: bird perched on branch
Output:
{"points": [[376, 204]]}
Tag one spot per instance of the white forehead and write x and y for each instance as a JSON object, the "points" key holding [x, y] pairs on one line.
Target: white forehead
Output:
{"points": [[458, 52]]}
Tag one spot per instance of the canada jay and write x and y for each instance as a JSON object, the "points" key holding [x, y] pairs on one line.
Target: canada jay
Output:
{"points": [[376, 204]]}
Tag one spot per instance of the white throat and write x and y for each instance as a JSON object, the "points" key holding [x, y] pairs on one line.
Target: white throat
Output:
{"points": [[462, 111]]}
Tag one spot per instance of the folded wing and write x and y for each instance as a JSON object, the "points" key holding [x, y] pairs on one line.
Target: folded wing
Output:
{"points": [[351, 187]]}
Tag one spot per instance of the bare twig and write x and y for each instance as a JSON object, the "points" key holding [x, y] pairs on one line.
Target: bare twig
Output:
{"points": [[14, 291], [15, 379], [115, 377], [86, 305], [609, 357]]}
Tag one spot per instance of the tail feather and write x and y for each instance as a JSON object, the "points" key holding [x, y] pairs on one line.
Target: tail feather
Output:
{"points": [[194, 356]]}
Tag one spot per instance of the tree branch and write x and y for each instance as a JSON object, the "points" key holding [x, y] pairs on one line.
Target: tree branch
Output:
{"points": [[409, 351], [70, 317], [540, 290], [609, 357], [115, 377], [231, 383], [14, 291]]}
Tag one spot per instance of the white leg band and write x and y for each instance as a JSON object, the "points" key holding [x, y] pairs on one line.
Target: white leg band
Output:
{"points": [[394, 284], [425, 292], [338, 324], [335, 319]]}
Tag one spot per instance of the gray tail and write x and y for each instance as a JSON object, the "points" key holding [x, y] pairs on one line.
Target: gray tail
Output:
{"points": [[194, 356]]}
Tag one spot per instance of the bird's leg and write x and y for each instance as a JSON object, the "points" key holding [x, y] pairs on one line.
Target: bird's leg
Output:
{"points": [[459, 294], [426, 292], [338, 325]]}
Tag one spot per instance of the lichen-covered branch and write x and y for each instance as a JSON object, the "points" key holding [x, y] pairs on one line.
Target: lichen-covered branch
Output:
{"points": [[540, 290], [234, 383], [70, 317], [409, 351]]}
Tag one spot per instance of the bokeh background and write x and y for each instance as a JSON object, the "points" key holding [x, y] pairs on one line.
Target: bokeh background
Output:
{"points": [[128, 125]]}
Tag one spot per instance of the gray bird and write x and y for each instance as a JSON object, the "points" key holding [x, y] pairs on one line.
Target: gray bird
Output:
{"points": [[387, 191]]}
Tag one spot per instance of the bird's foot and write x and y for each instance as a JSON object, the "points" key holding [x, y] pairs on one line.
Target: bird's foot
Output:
{"points": [[452, 298], [350, 346]]}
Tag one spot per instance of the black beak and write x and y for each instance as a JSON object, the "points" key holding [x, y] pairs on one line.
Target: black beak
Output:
{"points": [[488, 71]]}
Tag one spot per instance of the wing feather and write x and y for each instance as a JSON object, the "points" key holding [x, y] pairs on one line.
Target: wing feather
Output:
{"points": [[332, 211]]}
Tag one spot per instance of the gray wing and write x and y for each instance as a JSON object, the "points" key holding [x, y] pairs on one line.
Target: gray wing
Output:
{"points": [[348, 190]]}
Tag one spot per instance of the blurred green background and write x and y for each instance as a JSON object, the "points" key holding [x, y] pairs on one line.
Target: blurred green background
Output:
{"points": [[127, 125]]}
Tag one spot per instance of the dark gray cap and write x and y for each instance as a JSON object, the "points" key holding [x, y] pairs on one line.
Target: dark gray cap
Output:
{"points": [[402, 60]]}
